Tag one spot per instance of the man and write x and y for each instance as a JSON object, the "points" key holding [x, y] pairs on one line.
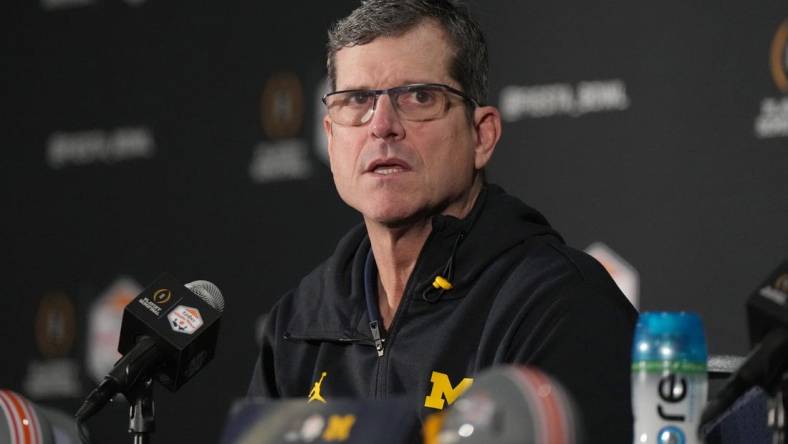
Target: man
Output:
{"points": [[447, 275]]}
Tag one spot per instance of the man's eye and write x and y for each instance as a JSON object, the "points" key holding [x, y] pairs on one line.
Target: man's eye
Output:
{"points": [[424, 96], [419, 97], [355, 99]]}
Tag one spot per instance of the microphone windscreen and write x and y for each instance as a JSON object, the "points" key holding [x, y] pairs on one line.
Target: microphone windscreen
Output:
{"points": [[21, 422], [512, 405], [208, 292]]}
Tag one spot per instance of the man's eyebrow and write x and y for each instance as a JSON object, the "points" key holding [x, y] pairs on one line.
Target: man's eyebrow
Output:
{"points": [[364, 87], [352, 88]]}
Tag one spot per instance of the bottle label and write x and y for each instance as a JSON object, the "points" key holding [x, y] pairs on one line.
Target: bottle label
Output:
{"points": [[667, 404]]}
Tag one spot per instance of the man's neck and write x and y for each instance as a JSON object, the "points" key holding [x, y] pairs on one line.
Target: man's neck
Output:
{"points": [[396, 251]]}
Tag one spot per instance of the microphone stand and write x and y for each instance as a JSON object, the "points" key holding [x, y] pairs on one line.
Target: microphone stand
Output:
{"points": [[141, 412]]}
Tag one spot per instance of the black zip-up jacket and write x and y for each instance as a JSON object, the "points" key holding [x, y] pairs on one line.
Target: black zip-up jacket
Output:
{"points": [[519, 295]]}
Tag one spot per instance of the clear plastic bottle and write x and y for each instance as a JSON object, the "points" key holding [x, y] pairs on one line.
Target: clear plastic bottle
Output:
{"points": [[669, 381]]}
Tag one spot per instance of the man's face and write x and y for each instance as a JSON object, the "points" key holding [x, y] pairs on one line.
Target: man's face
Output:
{"points": [[395, 171]]}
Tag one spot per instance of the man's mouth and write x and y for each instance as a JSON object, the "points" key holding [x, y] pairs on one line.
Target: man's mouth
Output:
{"points": [[386, 170], [386, 167]]}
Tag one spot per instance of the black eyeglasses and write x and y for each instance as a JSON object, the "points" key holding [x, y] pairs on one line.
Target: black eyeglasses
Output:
{"points": [[418, 102]]}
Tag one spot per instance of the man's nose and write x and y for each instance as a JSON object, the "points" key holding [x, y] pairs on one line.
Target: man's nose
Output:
{"points": [[385, 123]]}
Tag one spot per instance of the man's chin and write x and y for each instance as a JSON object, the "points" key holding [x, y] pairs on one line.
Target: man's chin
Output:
{"points": [[394, 217]]}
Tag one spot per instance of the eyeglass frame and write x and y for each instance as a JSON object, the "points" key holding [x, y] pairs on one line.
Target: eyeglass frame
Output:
{"points": [[379, 92]]}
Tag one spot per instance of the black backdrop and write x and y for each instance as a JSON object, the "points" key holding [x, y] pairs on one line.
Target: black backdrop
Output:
{"points": [[142, 136]]}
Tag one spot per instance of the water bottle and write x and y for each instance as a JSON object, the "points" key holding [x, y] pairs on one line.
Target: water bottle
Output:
{"points": [[669, 382]]}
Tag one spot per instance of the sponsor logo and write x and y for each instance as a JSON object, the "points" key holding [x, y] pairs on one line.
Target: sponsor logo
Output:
{"points": [[443, 392], [104, 321], [282, 106], [283, 156], [184, 319], [55, 329], [55, 325], [773, 118], [54, 378], [623, 273], [540, 101], [93, 146], [281, 160], [779, 57], [314, 394], [51, 5]]}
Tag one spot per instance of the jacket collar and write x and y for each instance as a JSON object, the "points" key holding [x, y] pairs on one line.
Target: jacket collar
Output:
{"points": [[496, 223]]}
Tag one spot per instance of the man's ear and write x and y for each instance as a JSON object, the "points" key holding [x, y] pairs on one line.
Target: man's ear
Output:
{"points": [[487, 120], [328, 128]]}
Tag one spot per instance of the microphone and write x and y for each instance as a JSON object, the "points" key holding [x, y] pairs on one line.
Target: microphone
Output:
{"points": [[767, 318], [508, 405], [168, 332]]}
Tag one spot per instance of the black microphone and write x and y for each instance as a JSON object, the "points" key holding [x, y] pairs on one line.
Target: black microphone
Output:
{"points": [[168, 332], [767, 317]]}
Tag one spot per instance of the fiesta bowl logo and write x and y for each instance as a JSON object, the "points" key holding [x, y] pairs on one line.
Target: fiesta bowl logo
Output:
{"points": [[779, 57], [185, 319]]}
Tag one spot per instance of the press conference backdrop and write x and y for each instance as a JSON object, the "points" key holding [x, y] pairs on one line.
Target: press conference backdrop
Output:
{"points": [[143, 136]]}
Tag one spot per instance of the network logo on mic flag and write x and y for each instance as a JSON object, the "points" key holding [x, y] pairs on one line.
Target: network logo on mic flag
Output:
{"points": [[185, 319]]}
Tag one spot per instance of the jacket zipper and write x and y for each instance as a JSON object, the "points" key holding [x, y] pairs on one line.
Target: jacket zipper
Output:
{"points": [[381, 380], [373, 326]]}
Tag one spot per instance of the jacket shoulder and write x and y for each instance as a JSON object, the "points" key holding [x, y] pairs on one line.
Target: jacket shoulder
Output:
{"points": [[555, 267]]}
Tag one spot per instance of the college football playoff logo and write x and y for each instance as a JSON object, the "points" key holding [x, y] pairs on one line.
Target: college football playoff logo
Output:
{"points": [[779, 57]]}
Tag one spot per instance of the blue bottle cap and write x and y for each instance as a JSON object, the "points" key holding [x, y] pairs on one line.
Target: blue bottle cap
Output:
{"points": [[669, 337]]}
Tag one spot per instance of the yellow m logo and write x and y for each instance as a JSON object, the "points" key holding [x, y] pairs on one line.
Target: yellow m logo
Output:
{"points": [[442, 388], [338, 428]]}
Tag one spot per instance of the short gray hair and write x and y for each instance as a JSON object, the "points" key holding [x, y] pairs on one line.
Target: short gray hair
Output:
{"points": [[392, 18]]}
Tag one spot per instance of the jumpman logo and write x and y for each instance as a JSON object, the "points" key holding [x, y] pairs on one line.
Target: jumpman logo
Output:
{"points": [[314, 395]]}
